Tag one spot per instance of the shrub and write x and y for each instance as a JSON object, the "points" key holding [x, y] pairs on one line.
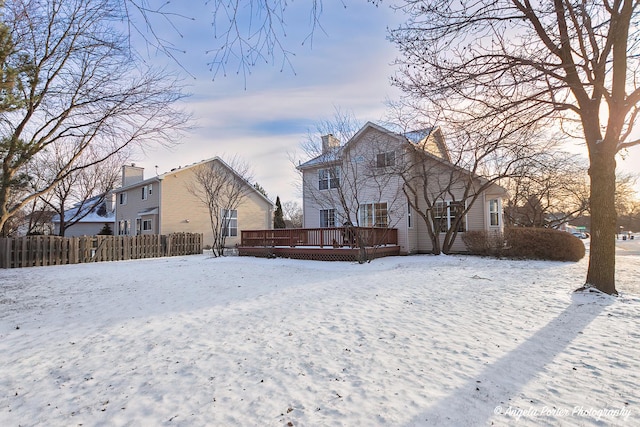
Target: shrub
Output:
{"points": [[484, 243], [543, 243], [106, 231]]}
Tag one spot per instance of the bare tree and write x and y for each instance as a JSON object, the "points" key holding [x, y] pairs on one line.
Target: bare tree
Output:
{"points": [[443, 180], [221, 187], [85, 189], [626, 196], [562, 64], [549, 191], [75, 83], [245, 33], [293, 213]]}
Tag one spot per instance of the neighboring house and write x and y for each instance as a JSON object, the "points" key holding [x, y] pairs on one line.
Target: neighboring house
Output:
{"points": [[164, 205], [365, 176], [94, 217]]}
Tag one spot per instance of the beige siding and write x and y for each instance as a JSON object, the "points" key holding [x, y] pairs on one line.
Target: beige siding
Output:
{"points": [[181, 211]]}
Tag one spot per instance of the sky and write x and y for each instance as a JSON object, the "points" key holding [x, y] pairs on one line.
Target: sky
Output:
{"points": [[264, 117]]}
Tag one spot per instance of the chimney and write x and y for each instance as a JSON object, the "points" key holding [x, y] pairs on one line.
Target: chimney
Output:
{"points": [[329, 143], [132, 174]]}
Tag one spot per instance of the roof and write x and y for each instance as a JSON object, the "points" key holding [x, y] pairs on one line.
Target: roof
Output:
{"points": [[434, 148], [181, 169], [414, 137], [98, 213]]}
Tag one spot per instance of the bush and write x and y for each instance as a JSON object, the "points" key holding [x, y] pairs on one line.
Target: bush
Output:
{"points": [[543, 243], [526, 243], [484, 243]]}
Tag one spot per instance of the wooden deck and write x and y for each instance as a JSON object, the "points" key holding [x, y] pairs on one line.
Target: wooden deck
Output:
{"points": [[324, 244]]}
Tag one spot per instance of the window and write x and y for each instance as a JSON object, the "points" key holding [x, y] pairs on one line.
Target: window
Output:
{"points": [[446, 213], [124, 227], [147, 191], [373, 215], [327, 218], [328, 178], [494, 212], [386, 159], [229, 222], [146, 225], [409, 218], [122, 198]]}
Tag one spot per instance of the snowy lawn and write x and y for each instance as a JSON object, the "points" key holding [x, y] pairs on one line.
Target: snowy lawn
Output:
{"points": [[403, 341]]}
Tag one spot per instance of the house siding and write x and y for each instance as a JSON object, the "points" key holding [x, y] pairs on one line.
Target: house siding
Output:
{"points": [[135, 204], [184, 212], [363, 149], [180, 211], [83, 228]]}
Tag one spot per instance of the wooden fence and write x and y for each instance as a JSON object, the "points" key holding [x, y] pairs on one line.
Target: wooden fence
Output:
{"points": [[35, 251]]}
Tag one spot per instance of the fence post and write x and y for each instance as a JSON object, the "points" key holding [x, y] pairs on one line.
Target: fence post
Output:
{"points": [[5, 252]]}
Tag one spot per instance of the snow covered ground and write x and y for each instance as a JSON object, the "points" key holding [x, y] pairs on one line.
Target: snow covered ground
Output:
{"points": [[403, 341]]}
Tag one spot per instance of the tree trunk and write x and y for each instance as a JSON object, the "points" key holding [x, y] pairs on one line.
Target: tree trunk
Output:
{"points": [[602, 255]]}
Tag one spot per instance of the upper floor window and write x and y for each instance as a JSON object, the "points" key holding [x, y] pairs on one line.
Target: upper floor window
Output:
{"points": [[386, 159], [122, 198], [328, 178], [147, 190], [494, 212], [373, 215], [447, 213]]}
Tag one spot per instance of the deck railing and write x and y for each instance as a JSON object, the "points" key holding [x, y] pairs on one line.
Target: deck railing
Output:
{"points": [[320, 237]]}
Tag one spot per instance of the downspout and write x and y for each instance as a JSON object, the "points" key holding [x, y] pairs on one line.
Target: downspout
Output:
{"points": [[160, 206]]}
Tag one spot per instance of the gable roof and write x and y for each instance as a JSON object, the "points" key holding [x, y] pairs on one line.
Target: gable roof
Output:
{"points": [[90, 213], [430, 139], [181, 169], [430, 142]]}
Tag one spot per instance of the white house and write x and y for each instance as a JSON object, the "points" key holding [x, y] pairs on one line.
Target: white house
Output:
{"points": [[364, 183]]}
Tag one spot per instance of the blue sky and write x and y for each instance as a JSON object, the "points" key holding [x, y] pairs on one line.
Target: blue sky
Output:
{"points": [[346, 68], [264, 117]]}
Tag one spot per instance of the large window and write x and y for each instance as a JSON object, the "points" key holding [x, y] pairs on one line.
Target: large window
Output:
{"points": [[229, 222], [327, 218], [494, 212], [386, 159], [328, 178], [373, 215], [122, 198], [446, 213], [146, 225]]}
